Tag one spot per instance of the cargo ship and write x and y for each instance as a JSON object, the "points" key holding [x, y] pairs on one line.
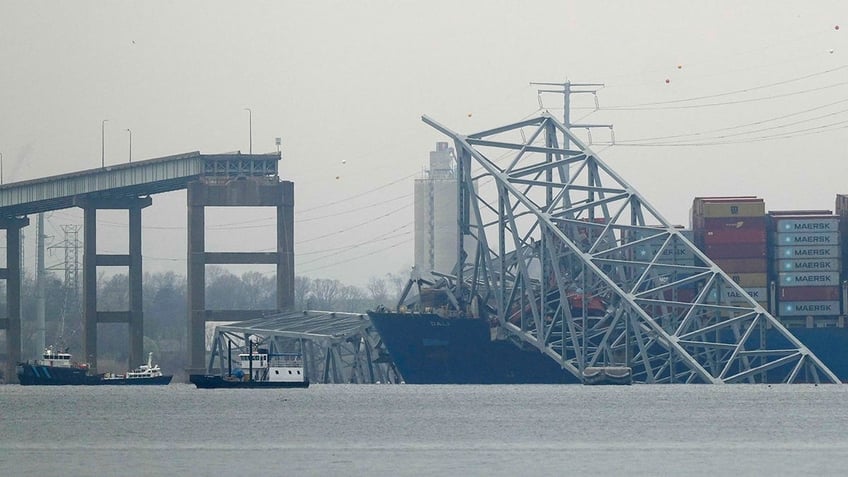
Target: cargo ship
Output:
{"points": [[789, 262], [57, 368]]}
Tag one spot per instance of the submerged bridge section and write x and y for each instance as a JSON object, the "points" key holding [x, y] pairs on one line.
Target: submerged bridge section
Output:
{"points": [[338, 348], [571, 259], [212, 180]]}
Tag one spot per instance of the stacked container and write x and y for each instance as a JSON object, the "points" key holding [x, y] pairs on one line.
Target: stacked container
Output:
{"points": [[806, 251], [732, 232]]}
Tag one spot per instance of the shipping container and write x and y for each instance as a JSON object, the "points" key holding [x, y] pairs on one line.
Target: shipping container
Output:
{"points": [[811, 239], [741, 250], [826, 252], [734, 236], [749, 280], [724, 223], [841, 204], [729, 207], [809, 308], [733, 209], [730, 295], [743, 265], [808, 279], [794, 224], [782, 213], [808, 293], [827, 265]]}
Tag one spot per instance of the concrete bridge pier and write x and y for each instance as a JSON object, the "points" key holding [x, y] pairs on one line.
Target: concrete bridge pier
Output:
{"points": [[236, 192], [12, 274], [134, 317]]}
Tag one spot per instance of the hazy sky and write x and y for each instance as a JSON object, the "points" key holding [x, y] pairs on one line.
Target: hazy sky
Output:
{"points": [[345, 83]]}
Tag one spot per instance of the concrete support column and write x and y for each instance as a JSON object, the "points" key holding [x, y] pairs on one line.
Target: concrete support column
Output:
{"points": [[12, 274], [89, 287], [196, 279], [136, 318], [285, 248]]}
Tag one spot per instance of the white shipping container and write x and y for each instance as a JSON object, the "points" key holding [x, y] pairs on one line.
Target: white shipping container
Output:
{"points": [[731, 295], [808, 252], [811, 225], [831, 265], [809, 308], [808, 279], [812, 239]]}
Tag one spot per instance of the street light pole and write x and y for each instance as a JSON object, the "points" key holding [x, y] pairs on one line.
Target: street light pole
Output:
{"points": [[1, 167], [130, 131], [103, 143], [250, 130]]}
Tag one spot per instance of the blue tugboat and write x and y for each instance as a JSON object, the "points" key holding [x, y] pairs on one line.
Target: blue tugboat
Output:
{"points": [[56, 368]]}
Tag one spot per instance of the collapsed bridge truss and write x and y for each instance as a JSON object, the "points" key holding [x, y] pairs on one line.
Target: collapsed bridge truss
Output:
{"points": [[337, 348], [562, 254]]}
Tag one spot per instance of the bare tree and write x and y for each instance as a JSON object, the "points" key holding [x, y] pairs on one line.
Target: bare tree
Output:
{"points": [[302, 292], [325, 292], [377, 288]]}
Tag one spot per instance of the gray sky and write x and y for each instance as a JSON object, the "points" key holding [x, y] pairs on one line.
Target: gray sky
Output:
{"points": [[348, 81]]}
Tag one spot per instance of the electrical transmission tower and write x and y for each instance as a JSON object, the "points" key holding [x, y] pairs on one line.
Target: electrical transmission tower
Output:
{"points": [[71, 246]]}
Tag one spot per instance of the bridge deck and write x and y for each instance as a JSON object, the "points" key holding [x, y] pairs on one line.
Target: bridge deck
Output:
{"points": [[151, 176]]}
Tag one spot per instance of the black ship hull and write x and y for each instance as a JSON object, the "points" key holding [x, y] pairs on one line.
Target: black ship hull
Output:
{"points": [[203, 381], [39, 375]]}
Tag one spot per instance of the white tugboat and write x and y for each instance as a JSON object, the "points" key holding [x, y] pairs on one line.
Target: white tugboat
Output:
{"points": [[259, 369], [145, 374]]}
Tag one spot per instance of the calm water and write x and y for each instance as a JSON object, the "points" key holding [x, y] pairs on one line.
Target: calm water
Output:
{"points": [[379, 430]]}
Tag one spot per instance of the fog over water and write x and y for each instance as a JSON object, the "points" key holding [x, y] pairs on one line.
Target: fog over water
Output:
{"points": [[707, 98]]}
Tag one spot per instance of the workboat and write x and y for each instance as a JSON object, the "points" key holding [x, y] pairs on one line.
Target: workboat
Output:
{"points": [[145, 374], [259, 369], [57, 368]]}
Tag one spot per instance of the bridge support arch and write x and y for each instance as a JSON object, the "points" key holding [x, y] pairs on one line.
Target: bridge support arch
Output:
{"points": [[134, 316], [235, 192]]}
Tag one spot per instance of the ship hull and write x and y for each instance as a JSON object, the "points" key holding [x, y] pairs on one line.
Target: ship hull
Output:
{"points": [[428, 349], [38, 375], [203, 381], [154, 381]]}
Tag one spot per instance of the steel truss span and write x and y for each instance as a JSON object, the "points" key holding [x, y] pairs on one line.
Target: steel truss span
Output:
{"points": [[571, 259], [337, 348]]}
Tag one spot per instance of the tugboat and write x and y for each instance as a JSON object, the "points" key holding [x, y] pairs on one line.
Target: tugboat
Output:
{"points": [[264, 370], [146, 374], [55, 368]]}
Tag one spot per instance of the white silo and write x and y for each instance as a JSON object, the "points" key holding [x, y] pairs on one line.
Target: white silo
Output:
{"points": [[435, 214]]}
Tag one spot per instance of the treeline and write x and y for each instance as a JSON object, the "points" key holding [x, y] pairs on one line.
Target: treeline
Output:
{"points": [[164, 306]]}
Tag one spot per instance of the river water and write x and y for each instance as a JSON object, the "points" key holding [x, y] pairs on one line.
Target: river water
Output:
{"points": [[398, 430]]}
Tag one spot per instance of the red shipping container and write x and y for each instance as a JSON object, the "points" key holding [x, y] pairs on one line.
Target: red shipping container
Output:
{"points": [[743, 265], [741, 250], [730, 223], [808, 293], [734, 236]]}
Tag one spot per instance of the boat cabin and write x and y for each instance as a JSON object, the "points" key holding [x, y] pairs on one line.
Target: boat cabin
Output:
{"points": [[273, 367], [51, 357]]}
